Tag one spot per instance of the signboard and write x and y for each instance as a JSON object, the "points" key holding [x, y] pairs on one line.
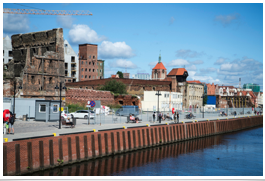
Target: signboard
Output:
{"points": [[154, 108], [94, 103], [63, 98]]}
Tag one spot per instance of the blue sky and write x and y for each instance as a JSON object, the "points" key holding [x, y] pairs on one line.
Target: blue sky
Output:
{"points": [[217, 43]]}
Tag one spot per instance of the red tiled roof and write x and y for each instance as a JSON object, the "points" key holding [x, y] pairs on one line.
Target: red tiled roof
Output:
{"points": [[159, 66], [194, 81], [113, 76], [177, 71]]}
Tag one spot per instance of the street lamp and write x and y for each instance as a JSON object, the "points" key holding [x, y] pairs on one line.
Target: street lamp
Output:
{"points": [[60, 88], [15, 97], [158, 94], [202, 106]]}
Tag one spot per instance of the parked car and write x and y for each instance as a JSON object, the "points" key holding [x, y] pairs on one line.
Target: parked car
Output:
{"points": [[83, 114], [65, 115]]}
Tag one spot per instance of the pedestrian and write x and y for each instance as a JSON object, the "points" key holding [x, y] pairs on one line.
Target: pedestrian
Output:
{"points": [[255, 112], [175, 117], [11, 123], [154, 116], [178, 117], [160, 117], [6, 115]]}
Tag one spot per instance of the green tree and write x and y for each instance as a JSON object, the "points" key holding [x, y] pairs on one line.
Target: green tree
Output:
{"points": [[114, 86], [205, 99], [120, 74]]}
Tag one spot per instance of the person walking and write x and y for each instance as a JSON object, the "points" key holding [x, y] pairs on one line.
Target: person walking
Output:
{"points": [[11, 123], [154, 116], [177, 117], [160, 117], [6, 115]]}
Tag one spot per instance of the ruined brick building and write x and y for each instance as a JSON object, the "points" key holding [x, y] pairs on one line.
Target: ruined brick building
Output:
{"points": [[159, 72], [37, 65]]}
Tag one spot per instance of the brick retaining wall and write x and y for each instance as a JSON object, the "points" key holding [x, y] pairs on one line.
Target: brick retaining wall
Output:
{"points": [[36, 154]]}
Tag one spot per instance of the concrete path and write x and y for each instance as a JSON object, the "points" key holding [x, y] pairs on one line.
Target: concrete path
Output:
{"points": [[27, 129]]}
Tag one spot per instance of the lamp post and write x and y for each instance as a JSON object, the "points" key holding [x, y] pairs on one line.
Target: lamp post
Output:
{"points": [[158, 94], [202, 106], [60, 88]]}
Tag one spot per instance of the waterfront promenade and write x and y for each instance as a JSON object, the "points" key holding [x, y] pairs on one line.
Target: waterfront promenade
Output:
{"points": [[31, 128]]}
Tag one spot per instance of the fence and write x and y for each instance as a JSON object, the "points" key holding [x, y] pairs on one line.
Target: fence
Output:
{"points": [[51, 113]]}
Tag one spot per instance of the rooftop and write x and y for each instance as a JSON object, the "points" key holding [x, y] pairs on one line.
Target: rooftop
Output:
{"points": [[159, 65], [177, 71]]}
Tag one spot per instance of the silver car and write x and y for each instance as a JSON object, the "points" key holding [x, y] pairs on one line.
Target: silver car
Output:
{"points": [[83, 114]]}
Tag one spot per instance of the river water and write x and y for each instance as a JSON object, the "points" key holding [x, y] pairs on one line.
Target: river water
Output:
{"points": [[233, 154]]}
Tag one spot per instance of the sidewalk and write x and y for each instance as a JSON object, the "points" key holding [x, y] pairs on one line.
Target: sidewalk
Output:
{"points": [[26, 129]]}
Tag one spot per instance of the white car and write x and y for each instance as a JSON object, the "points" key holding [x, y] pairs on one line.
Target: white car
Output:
{"points": [[65, 115], [83, 114]]}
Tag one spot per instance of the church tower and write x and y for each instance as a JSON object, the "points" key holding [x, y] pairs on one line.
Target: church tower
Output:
{"points": [[159, 72]]}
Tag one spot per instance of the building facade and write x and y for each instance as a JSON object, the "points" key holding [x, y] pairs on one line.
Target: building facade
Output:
{"points": [[126, 75], [88, 68], [167, 101], [143, 76], [100, 70], [37, 66], [7, 50], [253, 87], [159, 72], [71, 63], [195, 91]]}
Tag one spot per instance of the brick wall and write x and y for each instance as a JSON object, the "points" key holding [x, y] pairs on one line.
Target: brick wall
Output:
{"points": [[74, 96], [43, 153], [128, 100]]}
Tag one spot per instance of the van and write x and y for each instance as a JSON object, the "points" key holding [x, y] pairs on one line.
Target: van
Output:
{"points": [[127, 110]]}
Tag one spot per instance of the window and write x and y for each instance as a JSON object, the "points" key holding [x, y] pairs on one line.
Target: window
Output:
{"points": [[93, 58], [93, 70], [85, 76], [89, 76], [82, 69], [69, 80], [89, 57], [86, 69], [93, 77], [89, 63], [55, 108], [100, 70], [82, 76], [9, 60], [65, 45], [86, 62], [50, 80], [82, 62], [42, 108], [89, 70], [32, 80], [93, 63], [97, 63], [100, 63], [10, 53]]}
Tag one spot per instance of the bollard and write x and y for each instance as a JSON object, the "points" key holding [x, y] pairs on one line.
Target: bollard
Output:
{"points": [[147, 125], [6, 139], [195, 120], [54, 134], [207, 119], [94, 130], [182, 121], [124, 127]]}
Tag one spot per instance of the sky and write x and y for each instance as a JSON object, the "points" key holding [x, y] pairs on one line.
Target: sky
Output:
{"points": [[216, 43]]}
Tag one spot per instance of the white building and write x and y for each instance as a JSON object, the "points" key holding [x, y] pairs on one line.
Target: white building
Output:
{"points": [[144, 76], [71, 63], [7, 50], [167, 101]]}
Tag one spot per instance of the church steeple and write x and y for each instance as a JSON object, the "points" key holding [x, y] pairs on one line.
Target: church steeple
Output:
{"points": [[159, 59]]}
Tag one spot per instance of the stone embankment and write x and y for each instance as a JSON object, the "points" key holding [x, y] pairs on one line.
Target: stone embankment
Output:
{"points": [[25, 156]]}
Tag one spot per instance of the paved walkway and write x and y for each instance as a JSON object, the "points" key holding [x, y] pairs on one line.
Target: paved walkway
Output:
{"points": [[31, 128]]}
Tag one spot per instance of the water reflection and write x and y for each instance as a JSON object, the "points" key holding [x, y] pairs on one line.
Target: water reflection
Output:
{"points": [[204, 156]]}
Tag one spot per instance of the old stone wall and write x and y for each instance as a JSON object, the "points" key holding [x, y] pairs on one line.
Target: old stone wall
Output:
{"points": [[128, 100], [81, 96], [38, 62]]}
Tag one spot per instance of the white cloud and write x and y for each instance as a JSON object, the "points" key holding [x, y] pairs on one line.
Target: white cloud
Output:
{"points": [[220, 61], [197, 62], [121, 63], [193, 76], [172, 19], [153, 63], [228, 19], [191, 68], [178, 62], [83, 34], [109, 50], [15, 23], [208, 70], [65, 21], [188, 53]]}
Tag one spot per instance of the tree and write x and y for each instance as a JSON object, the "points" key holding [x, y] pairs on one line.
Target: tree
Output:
{"points": [[205, 99], [114, 86], [120, 74]]}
